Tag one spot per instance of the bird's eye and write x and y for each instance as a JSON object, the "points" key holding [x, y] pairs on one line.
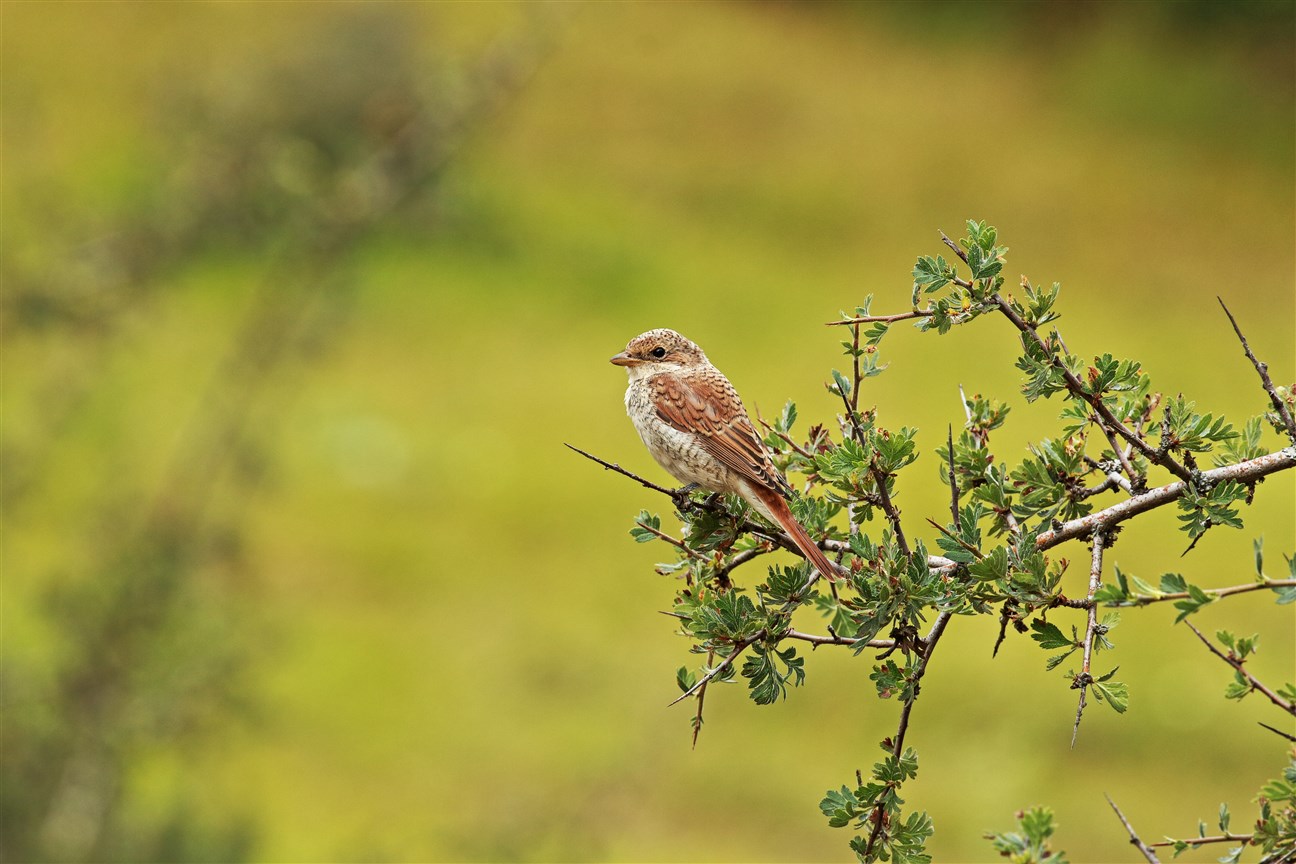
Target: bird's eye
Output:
{"points": [[659, 352]]}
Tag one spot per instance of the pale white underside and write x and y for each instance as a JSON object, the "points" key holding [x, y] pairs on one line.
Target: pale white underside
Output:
{"points": [[677, 451]]}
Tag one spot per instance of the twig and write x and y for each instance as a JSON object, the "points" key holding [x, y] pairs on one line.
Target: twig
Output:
{"points": [[1084, 679], [1244, 472], [893, 516], [1278, 731], [953, 481], [742, 558], [835, 639], [1263, 370], [697, 718], [1145, 599], [676, 542], [882, 319], [1134, 838], [951, 244], [617, 468], [975, 552], [852, 416], [787, 439], [1113, 478], [1134, 478], [1095, 402], [1202, 841], [740, 647], [897, 747], [1238, 666], [686, 504], [855, 387]]}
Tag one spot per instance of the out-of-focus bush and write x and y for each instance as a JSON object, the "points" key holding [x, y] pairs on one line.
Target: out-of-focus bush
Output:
{"points": [[293, 162]]}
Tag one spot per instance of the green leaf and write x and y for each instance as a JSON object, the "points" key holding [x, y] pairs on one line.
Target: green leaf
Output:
{"points": [[931, 274], [787, 417], [843, 386], [1048, 635], [643, 522], [766, 680], [1114, 693], [685, 678]]}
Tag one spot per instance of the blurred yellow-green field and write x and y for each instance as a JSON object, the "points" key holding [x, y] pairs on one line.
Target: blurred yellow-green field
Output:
{"points": [[302, 300]]}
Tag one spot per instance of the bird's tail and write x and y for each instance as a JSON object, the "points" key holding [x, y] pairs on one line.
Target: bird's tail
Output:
{"points": [[772, 505]]}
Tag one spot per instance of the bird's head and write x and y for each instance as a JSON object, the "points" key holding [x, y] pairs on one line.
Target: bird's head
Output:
{"points": [[657, 351]]}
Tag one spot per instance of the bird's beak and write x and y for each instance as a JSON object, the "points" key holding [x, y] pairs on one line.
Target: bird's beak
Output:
{"points": [[624, 359]]}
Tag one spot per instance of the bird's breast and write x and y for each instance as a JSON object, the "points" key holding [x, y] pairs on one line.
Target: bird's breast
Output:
{"points": [[679, 452]]}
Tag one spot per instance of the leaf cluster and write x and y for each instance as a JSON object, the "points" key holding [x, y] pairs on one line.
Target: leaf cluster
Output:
{"points": [[875, 806]]}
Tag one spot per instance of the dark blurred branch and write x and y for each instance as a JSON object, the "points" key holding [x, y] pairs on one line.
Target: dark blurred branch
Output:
{"points": [[117, 620]]}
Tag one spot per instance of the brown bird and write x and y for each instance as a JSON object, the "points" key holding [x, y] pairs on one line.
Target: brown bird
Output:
{"points": [[696, 427]]}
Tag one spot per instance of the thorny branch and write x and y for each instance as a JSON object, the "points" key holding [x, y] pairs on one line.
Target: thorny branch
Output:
{"points": [[1084, 679], [1134, 838], [739, 647], [701, 699], [1240, 668]]}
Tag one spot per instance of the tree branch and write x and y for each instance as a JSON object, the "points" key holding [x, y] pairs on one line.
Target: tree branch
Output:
{"points": [[834, 639], [1244, 472], [1238, 666]]}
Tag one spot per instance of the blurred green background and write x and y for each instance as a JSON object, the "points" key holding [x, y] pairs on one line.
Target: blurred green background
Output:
{"points": [[301, 301]]}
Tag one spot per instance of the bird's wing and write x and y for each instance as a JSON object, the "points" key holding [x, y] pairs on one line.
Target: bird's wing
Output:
{"points": [[706, 405]]}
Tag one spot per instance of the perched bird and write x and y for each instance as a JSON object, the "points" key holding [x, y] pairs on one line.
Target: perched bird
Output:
{"points": [[695, 426]]}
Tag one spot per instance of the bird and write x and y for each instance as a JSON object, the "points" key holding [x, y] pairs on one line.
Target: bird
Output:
{"points": [[694, 424]]}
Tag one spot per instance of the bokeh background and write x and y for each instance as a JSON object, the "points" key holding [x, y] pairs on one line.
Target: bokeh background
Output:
{"points": [[301, 301]]}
